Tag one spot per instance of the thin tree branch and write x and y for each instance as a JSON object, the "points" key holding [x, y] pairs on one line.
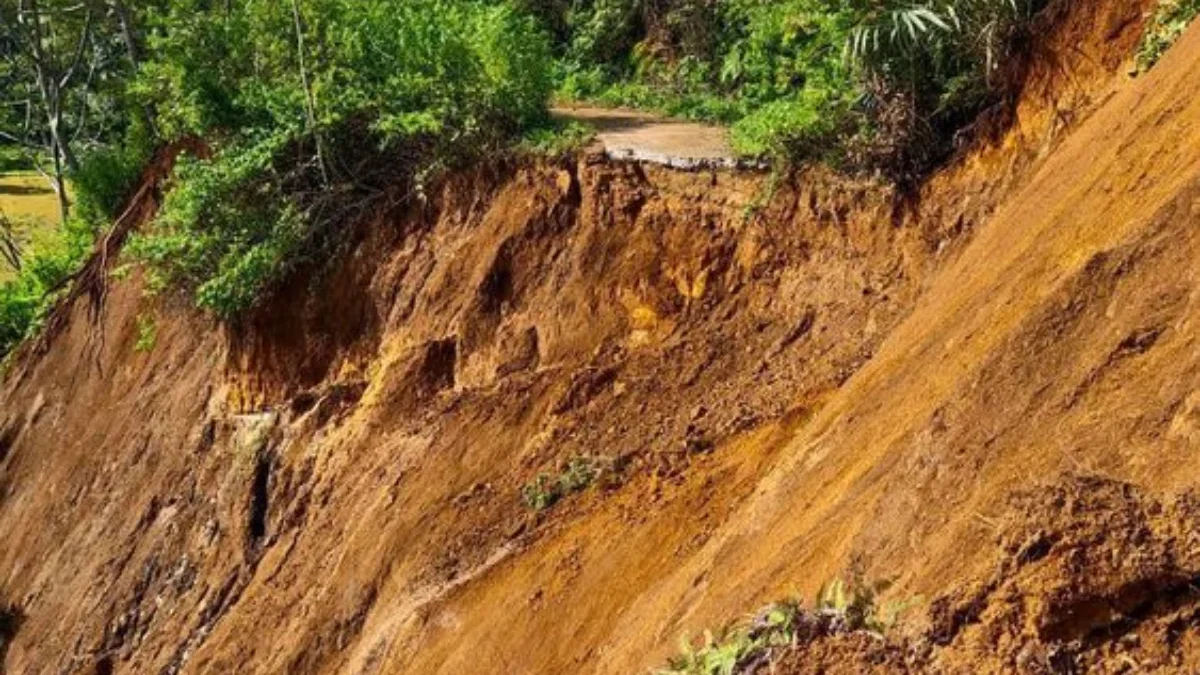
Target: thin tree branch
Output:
{"points": [[84, 37]]}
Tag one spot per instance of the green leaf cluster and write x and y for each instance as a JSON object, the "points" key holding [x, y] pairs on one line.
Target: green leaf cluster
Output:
{"points": [[313, 109], [1170, 19], [861, 83], [727, 652], [751, 644], [575, 475], [26, 300]]}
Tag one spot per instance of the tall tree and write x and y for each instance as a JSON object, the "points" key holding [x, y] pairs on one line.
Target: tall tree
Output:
{"points": [[55, 54]]}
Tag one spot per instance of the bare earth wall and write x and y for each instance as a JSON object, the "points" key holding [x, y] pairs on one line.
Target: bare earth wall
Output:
{"points": [[792, 378]]}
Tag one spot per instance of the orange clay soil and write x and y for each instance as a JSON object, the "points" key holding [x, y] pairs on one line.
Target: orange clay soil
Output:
{"points": [[786, 380]]}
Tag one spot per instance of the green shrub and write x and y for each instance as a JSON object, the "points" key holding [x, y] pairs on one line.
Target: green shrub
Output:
{"points": [[726, 652], [225, 229], [856, 604], [541, 493], [868, 85], [807, 126], [147, 334], [13, 158], [383, 93], [107, 174], [602, 31], [1170, 19], [575, 475], [25, 300], [841, 607], [555, 137]]}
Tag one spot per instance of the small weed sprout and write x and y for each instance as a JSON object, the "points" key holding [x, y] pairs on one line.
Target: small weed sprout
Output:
{"points": [[744, 647], [575, 475], [737, 647], [578, 474], [147, 334], [541, 493]]}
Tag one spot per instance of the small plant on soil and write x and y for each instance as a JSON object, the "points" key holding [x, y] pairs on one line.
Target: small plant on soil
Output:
{"points": [[745, 647], [856, 604], [541, 493], [1170, 19], [738, 648], [575, 475], [147, 334]]}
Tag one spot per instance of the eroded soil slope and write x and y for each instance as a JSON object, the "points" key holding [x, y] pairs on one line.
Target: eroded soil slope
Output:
{"points": [[779, 378]]}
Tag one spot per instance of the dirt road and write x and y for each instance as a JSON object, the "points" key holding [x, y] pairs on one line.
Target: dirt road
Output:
{"points": [[629, 134]]}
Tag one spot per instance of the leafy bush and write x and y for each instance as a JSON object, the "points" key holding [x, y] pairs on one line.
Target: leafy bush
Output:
{"points": [[224, 229], [1170, 19], [314, 108], [806, 125], [99, 188], [576, 475], [541, 493], [25, 300], [12, 158], [555, 137], [863, 84], [104, 178], [147, 334], [750, 645]]}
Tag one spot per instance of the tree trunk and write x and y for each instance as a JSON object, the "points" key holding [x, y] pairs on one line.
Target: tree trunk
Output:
{"points": [[128, 34], [10, 247], [310, 104]]}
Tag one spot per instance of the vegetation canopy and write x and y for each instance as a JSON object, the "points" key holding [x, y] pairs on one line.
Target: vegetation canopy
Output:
{"points": [[314, 108], [864, 84], [313, 111]]}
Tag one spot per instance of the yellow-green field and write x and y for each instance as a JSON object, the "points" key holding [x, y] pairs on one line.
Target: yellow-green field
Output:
{"points": [[29, 203]]}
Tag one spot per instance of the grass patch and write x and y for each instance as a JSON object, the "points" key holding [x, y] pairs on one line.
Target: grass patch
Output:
{"points": [[746, 646], [555, 137], [27, 194], [31, 207], [575, 475]]}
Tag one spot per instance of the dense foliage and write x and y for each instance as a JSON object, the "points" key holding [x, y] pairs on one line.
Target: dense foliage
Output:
{"points": [[316, 110], [25, 299], [313, 108], [1167, 23], [66, 112], [866, 84]]}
